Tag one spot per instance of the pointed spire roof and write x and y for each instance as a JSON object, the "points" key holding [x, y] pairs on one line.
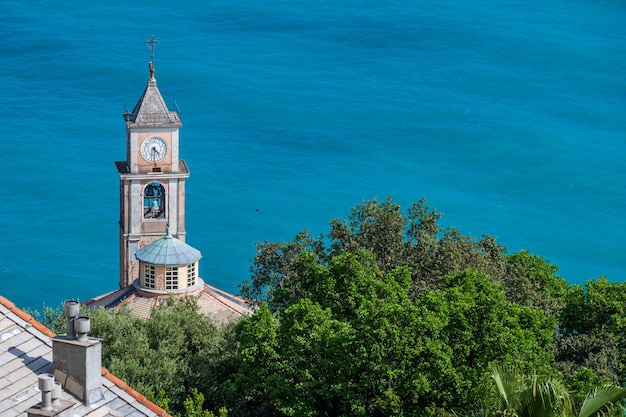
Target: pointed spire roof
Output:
{"points": [[151, 110], [168, 251]]}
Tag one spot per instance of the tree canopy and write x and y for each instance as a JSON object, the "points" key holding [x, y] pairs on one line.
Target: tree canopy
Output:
{"points": [[491, 305], [414, 240], [354, 342]]}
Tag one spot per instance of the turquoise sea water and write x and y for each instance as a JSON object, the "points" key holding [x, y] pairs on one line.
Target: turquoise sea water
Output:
{"points": [[508, 117]]}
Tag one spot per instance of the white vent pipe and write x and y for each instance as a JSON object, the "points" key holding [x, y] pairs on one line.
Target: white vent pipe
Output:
{"points": [[56, 394]]}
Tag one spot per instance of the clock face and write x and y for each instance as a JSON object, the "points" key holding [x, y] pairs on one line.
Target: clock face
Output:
{"points": [[153, 149]]}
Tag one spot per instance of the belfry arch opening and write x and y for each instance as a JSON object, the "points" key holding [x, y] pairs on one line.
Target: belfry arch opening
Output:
{"points": [[154, 201]]}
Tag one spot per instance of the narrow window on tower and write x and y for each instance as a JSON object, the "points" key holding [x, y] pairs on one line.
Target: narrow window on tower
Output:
{"points": [[149, 275], [171, 278], [191, 275], [154, 201]]}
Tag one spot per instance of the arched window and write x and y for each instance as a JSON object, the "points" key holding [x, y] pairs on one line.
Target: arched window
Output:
{"points": [[154, 201]]}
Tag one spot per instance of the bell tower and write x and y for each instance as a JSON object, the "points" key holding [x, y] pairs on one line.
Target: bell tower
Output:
{"points": [[152, 178]]}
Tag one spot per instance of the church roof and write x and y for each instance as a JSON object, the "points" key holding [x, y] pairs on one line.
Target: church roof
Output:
{"points": [[168, 251], [219, 305], [151, 110]]}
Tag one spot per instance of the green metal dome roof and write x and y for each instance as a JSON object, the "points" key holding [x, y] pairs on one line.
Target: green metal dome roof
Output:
{"points": [[168, 251]]}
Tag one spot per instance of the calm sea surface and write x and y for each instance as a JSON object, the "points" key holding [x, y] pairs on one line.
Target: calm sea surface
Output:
{"points": [[508, 117]]}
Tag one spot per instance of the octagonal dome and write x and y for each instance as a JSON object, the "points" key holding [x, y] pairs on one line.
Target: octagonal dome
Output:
{"points": [[168, 251]]}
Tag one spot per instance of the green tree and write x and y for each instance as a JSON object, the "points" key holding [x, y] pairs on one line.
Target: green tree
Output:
{"points": [[412, 239], [254, 386], [415, 240], [599, 304], [272, 265], [593, 329], [379, 228], [352, 340], [596, 352], [123, 336], [180, 348], [532, 281], [352, 343], [193, 406], [481, 326]]}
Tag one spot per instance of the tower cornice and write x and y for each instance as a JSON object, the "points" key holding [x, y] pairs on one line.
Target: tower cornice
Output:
{"points": [[125, 174]]}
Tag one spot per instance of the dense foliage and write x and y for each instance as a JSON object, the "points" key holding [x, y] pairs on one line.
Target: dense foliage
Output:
{"points": [[355, 343], [386, 315]]}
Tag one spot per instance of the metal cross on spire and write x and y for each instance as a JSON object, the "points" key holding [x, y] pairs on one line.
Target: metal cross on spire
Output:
{"points": [[150, 44]]}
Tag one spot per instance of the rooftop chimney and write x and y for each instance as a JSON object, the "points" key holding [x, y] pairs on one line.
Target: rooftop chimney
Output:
{"points": [[77, 358], [51, 405]]}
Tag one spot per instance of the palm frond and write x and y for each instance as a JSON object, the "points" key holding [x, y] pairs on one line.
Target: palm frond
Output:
{"points": [[545, 397], [600, 400], [507, 383]]}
